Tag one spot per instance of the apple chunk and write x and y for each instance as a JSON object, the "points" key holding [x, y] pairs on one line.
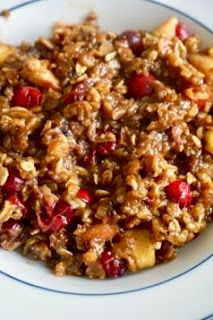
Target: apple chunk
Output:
{"points": [[137, 247], [167, 28], [202, 62]]}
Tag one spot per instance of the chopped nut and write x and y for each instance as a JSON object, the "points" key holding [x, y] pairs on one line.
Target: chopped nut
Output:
{"points": [[5, 52], [3, 175], [60, 269], [110, 56], [190, 178], [196, 141], [80, 69], [28, 165], [210, 52], [101, 193], [9, 211], [46, 43], [37, 71], [157, 245], [199, 132], [208, 136], [201, 94]]}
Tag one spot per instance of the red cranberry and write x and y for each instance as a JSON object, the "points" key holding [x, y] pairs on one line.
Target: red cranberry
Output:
{"points": [[12, 224], [57, 223], [15, 200], [181, 31], [179, 191], [134, 41], [63, 216], [14, 183], [113, 268], [104, 148], [78, 92], [64, 209], [89, 158], [26, 96], [49, 209], [140, 85], [201, 103], [185, 84], [85, 195]]}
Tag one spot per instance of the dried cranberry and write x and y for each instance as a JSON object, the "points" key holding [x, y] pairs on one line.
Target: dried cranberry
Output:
{"points": [[184, 85], [104, 148], [140, 85], [134, 41], [57, 223], [15, 200], [89, 158], [201, 103], [179, 191], [181, 31], [49, 209], [78, 92], [26, 96], [12, 224], [113, 268], [14, 183], [65, 209], [63, 216], [85, 195]]}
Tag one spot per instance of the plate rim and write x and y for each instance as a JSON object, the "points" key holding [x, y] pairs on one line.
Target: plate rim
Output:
{"points": [[29, 2], [179, 275]]}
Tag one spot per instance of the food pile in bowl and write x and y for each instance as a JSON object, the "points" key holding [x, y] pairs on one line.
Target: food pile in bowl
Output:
{"points": [[106, 144]]}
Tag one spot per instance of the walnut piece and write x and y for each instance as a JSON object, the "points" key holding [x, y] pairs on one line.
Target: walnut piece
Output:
{"points": [[37, 72], [5, 52]]}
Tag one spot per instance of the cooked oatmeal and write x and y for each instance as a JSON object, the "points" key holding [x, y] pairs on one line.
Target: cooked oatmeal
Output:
{"points": [[106, 147]]}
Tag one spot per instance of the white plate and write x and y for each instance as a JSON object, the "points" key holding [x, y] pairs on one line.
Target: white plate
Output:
{"points": [[181, 289]]}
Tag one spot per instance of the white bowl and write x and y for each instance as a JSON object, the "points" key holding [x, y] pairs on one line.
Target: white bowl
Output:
{"points": [[35, 18]]}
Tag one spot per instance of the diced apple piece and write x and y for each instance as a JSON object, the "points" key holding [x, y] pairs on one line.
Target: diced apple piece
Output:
{"points": [[37, 72], [137, 247], [99, 232], [209, 140], [5, 52], [202, 62], [167, 28]]}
